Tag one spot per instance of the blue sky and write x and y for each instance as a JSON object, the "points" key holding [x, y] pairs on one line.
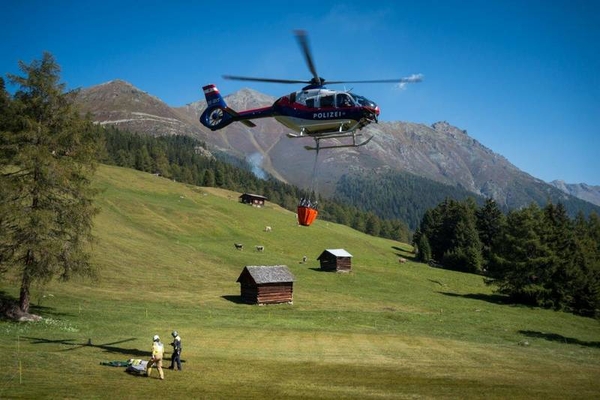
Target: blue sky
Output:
{"points": [[521, 77]]}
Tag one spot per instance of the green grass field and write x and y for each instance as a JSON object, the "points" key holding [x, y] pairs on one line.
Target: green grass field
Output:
{"points": [[385, 331]]}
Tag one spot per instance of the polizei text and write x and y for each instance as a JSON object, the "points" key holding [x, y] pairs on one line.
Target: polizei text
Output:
{"points": [[328, 114]]}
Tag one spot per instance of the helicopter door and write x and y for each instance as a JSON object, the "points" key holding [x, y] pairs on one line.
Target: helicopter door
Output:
{"points": [[343, 100], [326, 101]]}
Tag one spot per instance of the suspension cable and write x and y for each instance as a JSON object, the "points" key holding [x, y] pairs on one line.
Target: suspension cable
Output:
{"points": [[315, 181]]}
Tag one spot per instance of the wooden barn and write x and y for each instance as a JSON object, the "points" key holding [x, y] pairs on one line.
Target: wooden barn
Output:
{"points": [[253, 199], [266, 284], [338, 260]]}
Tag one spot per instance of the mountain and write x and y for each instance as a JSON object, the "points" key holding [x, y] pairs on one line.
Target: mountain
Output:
{"points": [[581, 190], [440, 152], [123, 105]]}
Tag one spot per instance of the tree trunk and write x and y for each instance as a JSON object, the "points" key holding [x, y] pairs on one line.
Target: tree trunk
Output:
{"points": [[24, 297]]}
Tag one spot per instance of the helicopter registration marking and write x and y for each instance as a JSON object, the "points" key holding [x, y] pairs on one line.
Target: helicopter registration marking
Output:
{"points": [[329, 114]]}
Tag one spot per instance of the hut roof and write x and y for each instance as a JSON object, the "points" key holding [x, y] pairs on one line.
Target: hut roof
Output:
{"points": [[336, 252], [256, 196], [268, 274]]}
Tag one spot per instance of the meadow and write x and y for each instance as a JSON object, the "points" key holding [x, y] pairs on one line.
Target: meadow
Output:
{"points": [[387, 330]]}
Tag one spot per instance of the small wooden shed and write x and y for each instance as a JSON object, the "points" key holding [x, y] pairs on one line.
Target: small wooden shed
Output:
{"points": [[338, 260], [253, 199], [266, 284]]}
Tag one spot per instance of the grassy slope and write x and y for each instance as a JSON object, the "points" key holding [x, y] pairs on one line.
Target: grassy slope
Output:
{"points": [[387, 330]]}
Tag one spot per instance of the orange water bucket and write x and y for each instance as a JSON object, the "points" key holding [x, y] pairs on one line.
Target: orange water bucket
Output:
{"points": [[306, 215]]}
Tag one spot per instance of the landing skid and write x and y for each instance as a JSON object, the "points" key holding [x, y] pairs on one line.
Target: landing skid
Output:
{"points": [[326, 133], [354, 144]]}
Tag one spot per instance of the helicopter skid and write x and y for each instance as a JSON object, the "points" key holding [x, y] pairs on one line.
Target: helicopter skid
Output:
{"points": [[327, 129], [339, 146], [323, 135]]}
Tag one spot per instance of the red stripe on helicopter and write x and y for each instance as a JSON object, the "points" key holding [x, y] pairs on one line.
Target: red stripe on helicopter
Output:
{"points": [[210, 89]]}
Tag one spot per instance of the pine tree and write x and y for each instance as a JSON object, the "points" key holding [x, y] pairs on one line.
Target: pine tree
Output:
{"points": [[520, 261], [463, 251], [372, 225], [46, 161], [209, 178], [562, 270], [585, 298], [424, 249], [490, 221]]}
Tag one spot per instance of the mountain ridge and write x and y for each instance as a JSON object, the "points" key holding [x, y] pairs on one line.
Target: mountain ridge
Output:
{"points": [[589, 193], [440, 152]]}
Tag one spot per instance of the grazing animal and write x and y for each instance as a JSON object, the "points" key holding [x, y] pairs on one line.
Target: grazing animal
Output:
{"points": [[402, 260], [239, 246], [260, 248], [267, 228]]}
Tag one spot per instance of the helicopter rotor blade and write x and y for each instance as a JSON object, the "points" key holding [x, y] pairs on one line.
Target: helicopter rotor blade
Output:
{"points": [[246, 78], [409, 79], [303, 42]]}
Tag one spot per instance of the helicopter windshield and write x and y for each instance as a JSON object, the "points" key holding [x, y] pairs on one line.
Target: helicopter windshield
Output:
{"points": [[363, 101]]}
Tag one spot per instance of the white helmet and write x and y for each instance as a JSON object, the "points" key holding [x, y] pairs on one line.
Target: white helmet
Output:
{"points": [[156, 338], [174, 334]]}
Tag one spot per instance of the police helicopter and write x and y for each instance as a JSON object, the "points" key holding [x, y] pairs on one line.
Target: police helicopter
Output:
{"points": [[314, 111]]}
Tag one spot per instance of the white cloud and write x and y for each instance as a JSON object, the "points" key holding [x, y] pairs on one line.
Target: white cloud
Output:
{"points": [[414, 78]]}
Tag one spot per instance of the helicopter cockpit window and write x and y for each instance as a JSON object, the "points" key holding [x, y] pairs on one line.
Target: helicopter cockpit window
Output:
{"points": [[343, 100], [310, 102], [363, 101], [326, 101]]}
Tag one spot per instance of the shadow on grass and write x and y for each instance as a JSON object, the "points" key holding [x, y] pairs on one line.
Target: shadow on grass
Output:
{"points": [[237, 299], [319, 269], [9, 307], [555, 337], [107, 347], [48, 312], [7, 302], [490, 298], [405, 254]]}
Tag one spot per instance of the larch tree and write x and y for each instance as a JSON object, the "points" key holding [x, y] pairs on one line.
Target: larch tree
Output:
{"points": [[47, 158]]}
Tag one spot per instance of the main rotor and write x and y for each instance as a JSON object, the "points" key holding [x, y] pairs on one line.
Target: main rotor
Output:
{"points": [[316, 81]]}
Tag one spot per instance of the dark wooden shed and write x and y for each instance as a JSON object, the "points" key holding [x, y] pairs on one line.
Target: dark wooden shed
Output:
{"points": [[338, 260], [253, 199], [266, 284]]}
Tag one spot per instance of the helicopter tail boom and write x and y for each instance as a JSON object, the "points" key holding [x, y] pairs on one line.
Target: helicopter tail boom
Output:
{"points": [[217, 114]]}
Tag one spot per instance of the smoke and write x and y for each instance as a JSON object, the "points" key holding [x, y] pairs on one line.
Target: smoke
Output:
{"points": [[255, 161], [414, 78]]}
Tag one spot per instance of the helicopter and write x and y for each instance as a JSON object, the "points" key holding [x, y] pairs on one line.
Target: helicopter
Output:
{"points": [[314, 111]]}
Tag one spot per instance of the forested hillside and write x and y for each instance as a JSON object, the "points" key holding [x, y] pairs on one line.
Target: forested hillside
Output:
{"points": [[396, 195], [187, 160], [536, 256], [405, 196]]}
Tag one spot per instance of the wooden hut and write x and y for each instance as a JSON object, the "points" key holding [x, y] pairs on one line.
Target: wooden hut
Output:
{"points": [[338, 260], [266, 284], [253, 199]]}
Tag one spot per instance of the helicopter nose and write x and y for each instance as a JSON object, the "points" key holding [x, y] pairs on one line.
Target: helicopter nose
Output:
{"points": [[377, 109]]}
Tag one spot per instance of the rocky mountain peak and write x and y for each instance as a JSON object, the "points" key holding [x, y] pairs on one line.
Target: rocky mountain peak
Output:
{"points": [[445, 128], [247, 98], [583, 191], [121, 104]]}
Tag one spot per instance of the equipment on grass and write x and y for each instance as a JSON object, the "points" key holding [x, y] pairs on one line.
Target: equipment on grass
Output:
{"points": [[137, 367]]}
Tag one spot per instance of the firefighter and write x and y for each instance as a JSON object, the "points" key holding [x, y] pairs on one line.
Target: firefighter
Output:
{"points": [[157, 355], [176, 356]]}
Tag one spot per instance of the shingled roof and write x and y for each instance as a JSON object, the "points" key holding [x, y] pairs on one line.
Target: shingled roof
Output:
{"points": [[337, 253], [268, 274]]}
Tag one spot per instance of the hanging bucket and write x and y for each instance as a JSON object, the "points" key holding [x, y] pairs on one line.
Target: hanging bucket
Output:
{"points": [[306, 215]]}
